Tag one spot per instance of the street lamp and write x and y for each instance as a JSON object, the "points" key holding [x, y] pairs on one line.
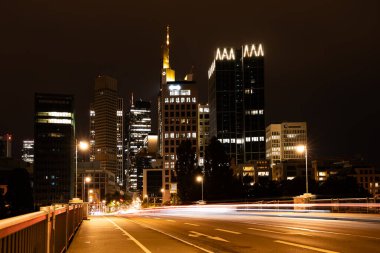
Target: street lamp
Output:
{"points": [[82, 146], [163, 192], [303, 149], [200, 179], [85, 180]]}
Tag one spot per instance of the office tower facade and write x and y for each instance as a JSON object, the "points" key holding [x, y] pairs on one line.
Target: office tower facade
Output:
{"points": [[236, 100], [54, 143], [104, 122], [203, 131], [139, 127], [28, 151], [177, 116], [282, 140], [6, 146], [120, 141]]}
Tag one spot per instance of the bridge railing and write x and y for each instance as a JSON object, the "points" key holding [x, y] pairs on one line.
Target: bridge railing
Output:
{"points": [[45, 231]]}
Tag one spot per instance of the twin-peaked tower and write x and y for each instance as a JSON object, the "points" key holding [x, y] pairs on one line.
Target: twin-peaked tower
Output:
{"points": [[177, 116], [236, 101]]}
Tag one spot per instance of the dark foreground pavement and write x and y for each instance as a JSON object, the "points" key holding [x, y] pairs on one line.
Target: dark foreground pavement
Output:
{"points": [[254, 232]]}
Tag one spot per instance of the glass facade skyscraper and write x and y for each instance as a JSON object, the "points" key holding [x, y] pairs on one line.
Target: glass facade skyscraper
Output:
{"points": [[139, 126], [54, 135], [236, 100]]}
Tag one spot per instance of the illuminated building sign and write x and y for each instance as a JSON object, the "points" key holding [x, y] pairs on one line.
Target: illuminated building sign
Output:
{"points": [[174, 87], [251, 50], [225, 55]]}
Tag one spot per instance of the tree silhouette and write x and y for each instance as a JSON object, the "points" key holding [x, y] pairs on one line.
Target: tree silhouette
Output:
{"points": [[186, 171], [20, 193], [219, 180]]}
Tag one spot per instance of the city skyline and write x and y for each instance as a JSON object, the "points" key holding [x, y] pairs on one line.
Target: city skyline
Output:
{"points": [[320, 62]]}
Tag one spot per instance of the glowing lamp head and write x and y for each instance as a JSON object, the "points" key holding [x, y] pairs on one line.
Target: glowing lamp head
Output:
{"points": [[301, 149], [199, 178], [83, 145], [162, 190], [87, 179], [91, 191]]}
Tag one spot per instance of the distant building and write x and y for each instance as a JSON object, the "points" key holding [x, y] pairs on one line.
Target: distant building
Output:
{"points": [[282, 140], [106, 127], [120, 176], [254, 171], [28, 151], [289, 169], [368, 178], [6, 146], [366, 175], [102, 182], [323, 169], [54, 142], [237, 101], [139, 127], [203, 132], [177, 116]]}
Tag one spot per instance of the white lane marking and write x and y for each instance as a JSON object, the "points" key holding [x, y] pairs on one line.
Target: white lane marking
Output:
{"points": [[171, 220], [197, 234], [269, 231], [307, 247], [131, 237], [191, 224], [172, 236], [317, 231], [278, 232], [228, 231]]}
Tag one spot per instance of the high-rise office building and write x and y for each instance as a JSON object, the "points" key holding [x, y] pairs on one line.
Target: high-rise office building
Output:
{"points": [[282, 140], [54, 143], [236, 100], [203, 132], [177, 116], [140, 125], [6, 146], [28, 151], [120, 141], [106, 127]]}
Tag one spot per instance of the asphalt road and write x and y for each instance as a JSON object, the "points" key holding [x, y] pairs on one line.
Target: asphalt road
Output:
{"points": [[219, 232]]}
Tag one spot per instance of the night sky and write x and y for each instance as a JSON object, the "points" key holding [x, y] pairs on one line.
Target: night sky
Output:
{"points": [[321, 59]]}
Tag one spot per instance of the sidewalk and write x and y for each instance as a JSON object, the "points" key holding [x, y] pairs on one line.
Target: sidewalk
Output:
{"points": [[98, 235]]}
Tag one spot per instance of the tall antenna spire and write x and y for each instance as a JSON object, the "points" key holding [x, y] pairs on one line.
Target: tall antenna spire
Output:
{"points": [[167, 36], [132, 104], [165, 58]]}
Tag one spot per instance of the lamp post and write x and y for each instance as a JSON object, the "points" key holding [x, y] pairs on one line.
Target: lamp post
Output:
{"points": [[163, 192], [85, 180], [82, 146], [303, 149], [200, 179]]}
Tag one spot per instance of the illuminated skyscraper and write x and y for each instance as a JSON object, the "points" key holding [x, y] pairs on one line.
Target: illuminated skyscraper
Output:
{"points": [[54, 136], [140, 125], [28, 151], [177, 116], [120, 141], [236, 100], [203, 132], [107, 127]]}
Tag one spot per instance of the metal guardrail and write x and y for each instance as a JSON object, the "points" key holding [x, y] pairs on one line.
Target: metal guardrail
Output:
{"points": [[45, 231]]}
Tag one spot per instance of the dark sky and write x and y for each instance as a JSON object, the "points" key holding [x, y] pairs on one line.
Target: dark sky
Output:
{"points": [[321, 58]]}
